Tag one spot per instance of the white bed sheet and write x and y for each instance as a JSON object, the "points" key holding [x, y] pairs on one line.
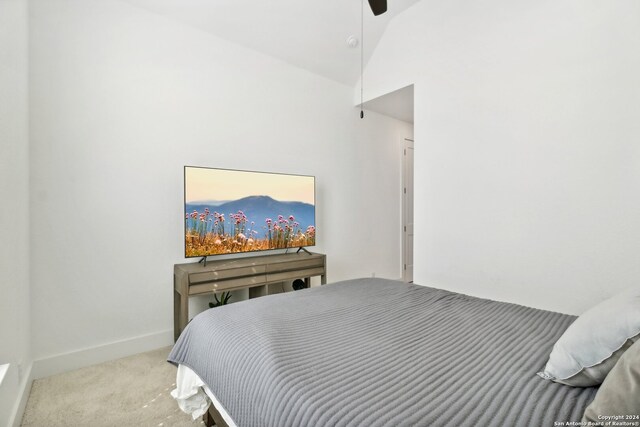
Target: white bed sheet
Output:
{"points": [[194, 397]]}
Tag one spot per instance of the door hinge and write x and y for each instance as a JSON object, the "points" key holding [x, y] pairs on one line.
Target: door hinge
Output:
{"points": [[405, 190], [405, 151], [405, 228], [405, 266]]}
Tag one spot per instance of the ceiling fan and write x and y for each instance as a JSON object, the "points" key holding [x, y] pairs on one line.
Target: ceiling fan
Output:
{"points": [[378, 7]]}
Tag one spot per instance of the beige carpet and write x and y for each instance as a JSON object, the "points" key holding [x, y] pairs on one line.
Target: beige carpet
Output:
{"points": [[133, 391]]}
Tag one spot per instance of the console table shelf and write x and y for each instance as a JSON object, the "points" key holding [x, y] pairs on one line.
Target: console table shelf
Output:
{"points": [[255, 273]]}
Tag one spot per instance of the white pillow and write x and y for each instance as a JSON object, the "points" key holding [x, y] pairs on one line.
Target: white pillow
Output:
{"points": [[591, 346]]}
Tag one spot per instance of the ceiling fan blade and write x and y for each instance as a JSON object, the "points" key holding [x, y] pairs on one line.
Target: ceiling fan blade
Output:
{"points": [[378, 7]]}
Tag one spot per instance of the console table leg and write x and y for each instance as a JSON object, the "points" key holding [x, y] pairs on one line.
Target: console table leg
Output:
{"points": [[180, 313]]}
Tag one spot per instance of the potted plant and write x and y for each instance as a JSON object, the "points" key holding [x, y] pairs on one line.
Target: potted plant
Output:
{"points": [[224, 299]]}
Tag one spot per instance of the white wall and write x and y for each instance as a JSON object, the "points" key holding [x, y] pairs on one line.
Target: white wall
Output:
{"points": [[15, 214], [121, 100], [527, 161]]}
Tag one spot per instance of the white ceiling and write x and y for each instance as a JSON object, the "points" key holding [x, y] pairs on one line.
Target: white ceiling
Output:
{"points": [[307, 34], [397, 104]]}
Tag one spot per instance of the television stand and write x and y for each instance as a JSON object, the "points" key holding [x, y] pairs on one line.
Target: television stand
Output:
{"points": [[255, 273], [301, 248], [203, 261]]}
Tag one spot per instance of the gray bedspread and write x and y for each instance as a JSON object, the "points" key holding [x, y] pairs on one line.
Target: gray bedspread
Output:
{"points": [[375, 352]]}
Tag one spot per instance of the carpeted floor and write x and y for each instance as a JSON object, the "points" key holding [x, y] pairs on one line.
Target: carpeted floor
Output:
{"points": [[133, 391]]}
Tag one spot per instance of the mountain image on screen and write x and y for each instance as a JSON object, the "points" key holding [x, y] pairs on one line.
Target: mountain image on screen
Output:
{"points": [[251, 223]]}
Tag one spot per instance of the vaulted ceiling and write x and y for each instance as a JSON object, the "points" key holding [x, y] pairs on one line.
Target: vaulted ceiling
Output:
{"points": [[310, 35]]}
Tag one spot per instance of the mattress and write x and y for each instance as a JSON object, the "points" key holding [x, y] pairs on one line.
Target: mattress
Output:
{"points": [[377, 352]]}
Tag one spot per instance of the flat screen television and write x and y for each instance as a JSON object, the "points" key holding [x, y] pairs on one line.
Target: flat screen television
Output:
{"points": [[234, 211]]}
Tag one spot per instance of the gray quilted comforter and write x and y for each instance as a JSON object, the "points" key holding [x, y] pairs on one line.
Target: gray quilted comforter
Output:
{"points": [[375, 352]]}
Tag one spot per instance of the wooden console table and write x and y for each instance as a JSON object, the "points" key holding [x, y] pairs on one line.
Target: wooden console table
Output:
{"points": [[255, 273]]}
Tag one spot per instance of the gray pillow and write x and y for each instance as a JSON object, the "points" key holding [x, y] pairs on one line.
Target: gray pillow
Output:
{"points": [[619, 394]]}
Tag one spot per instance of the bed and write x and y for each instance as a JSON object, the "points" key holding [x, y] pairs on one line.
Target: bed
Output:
{"points": [[376, 352]]}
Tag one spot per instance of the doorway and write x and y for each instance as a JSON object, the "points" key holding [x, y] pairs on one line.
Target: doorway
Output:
{"points": [[399, 105]]}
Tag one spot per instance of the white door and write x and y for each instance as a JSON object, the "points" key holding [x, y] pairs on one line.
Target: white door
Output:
{"points": [[407, 210]]}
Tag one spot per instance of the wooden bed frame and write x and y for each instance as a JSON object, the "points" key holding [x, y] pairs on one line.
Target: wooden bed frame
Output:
{"points": [[213, 418]]}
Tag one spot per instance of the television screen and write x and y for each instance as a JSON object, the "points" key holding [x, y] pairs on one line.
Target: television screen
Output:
{"points": [[232, 211]]}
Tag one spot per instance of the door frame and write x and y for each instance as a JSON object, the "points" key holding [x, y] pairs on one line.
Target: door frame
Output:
{"points": [[407, 143]]}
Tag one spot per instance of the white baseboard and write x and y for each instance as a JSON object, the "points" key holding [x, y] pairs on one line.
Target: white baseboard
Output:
{"points": [[60, 363]]}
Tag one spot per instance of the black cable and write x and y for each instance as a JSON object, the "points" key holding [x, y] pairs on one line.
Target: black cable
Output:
{"points": [[361, 58]]}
